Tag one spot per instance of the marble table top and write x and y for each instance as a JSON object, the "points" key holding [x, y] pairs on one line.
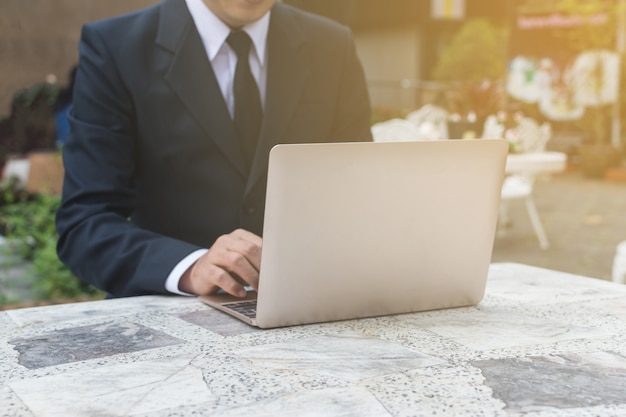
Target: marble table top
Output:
{"points": [[541, 343]]}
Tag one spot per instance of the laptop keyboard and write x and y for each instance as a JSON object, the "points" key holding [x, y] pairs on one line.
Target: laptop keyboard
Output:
{"points": [[247, 308]]}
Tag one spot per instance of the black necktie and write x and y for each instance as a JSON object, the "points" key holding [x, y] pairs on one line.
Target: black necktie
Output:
{"points": [[248, 110]]}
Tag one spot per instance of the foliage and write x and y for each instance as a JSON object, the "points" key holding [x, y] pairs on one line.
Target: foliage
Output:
{"points": [[481, 99], [31, 125], [29, 223], [474, 64], [11, 192], [476, 53]]}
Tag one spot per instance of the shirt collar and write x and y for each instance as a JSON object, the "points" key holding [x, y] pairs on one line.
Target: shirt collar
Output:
{"points": [[214, 32]]}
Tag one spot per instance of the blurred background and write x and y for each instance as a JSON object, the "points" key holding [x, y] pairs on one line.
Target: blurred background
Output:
{"points": [[453, 68]]}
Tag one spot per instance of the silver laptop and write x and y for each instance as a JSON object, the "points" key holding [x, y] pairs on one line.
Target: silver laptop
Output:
{"points": [[358, 230]]}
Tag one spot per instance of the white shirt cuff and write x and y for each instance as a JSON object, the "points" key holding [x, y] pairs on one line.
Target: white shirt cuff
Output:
{"points": [[171, 283]]}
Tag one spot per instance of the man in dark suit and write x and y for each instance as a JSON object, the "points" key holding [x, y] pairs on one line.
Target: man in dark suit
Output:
{"points": [[159, 196]]}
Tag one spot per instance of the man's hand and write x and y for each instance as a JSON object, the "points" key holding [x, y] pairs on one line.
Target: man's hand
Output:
{"points": [[232, 262]]}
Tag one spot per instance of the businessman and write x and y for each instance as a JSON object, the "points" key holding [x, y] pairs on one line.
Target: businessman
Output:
{"points": [[176, 107]]}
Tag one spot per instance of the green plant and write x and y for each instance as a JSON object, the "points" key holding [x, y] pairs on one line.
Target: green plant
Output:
{"points": [[29, 226], [476, 53], [10, 192], [473, 64], [31, 124]]}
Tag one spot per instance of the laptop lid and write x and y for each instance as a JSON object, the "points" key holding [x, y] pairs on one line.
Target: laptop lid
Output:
{"points": [[366, 229]]}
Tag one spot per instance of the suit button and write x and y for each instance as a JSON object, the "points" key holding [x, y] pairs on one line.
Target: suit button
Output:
{"points": [[250, 210]]}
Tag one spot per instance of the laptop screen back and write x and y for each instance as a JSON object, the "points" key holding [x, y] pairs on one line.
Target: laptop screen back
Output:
{"points": [[366, 229]]}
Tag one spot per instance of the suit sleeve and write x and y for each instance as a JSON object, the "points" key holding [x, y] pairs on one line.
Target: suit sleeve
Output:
{"points": [[97, 241]]}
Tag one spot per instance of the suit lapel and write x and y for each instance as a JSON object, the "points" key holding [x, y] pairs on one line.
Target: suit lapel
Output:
{"points": [[192, 78], [286, 77]]}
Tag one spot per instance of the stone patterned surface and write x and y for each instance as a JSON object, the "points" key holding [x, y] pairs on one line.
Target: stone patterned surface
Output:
{"points": [[87, 342], [557, 382], [152, 385], [345, 356], [541, 343], [217, 322], [333, 402]]}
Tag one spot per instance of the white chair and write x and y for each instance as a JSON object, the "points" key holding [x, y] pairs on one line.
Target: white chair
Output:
{"points": [[520, 187], [493, 129], [619, 264], [533, 137], [530, 138], [431, 120], [395, 130]]}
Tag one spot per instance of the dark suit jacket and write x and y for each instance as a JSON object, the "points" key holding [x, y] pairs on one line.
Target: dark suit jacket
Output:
{"points": [[153, 166]]}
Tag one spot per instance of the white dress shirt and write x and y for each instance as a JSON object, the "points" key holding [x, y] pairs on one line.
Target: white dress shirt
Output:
{"points": [[223, 59], [213, 33]]}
